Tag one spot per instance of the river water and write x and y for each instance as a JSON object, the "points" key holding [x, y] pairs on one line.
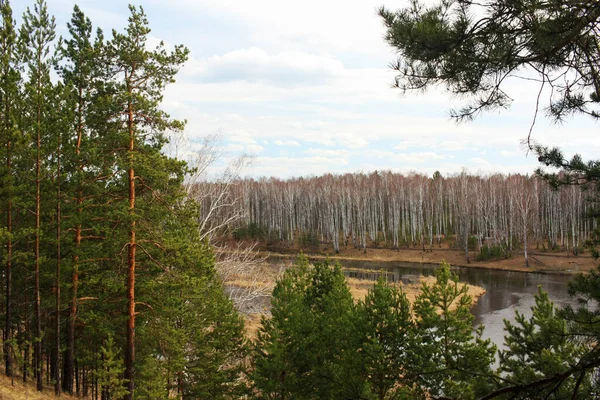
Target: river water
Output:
{"points": [[506, 291]]}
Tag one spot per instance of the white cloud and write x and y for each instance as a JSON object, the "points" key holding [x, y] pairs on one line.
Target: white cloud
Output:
{"points": [[480, 162], [242, 139], [286, 143], [329, 26], [297, 166], [305, 85], [287, 68], [328, 153], [238, 148]]}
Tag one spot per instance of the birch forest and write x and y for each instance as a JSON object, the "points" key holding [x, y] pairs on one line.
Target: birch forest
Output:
{"points": [[388, 209]]}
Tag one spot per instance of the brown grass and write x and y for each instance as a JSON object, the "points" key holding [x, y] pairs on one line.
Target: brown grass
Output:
{"points": [[562, 262], [16, 390], [360, 287], [252, 325]]}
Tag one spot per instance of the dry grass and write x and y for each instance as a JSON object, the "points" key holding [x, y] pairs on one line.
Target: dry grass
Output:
{"points": [[252, 325], [540, 261], [360, 287], [16, 390]]}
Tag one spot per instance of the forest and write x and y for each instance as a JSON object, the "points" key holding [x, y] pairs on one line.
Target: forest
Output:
{"points": [[502, 213], [108, 288], [110, 280]]}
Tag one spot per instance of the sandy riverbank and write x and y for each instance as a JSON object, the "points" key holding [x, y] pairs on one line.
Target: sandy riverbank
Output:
{"points": [[564, 262]]}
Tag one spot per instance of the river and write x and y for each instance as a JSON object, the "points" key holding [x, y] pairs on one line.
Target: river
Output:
{"points": [[506, 291]]}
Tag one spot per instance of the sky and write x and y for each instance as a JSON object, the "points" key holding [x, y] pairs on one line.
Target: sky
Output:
{"points": [[305, 88]]}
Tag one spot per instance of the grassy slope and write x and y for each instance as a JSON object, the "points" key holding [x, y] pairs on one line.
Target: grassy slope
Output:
{"points": [[16, 390]]}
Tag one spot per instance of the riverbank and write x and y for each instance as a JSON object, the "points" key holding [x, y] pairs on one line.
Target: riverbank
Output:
{"points": [[547, 262]]}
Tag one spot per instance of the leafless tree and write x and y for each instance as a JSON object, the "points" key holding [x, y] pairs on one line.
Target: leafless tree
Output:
{"points": [[386, 208]]}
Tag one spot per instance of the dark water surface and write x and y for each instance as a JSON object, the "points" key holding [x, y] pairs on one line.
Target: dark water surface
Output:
{"points": [[506, 291]]}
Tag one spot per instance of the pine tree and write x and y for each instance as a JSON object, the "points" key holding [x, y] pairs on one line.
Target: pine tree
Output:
{"points": [[450, 358], [38, 32], [540, 347], [101, 180], [192, 318], [87, 162], [10, 80], [307, 348], [141, 77], [110, 371], [387, 331], [60, 127]]}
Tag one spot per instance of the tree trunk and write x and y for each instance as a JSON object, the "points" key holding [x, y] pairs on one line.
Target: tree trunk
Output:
{"points": [[7, 329], [26, 347], [56, 374], [525, 244], [130, 347], [38, 313], [69, 359]]}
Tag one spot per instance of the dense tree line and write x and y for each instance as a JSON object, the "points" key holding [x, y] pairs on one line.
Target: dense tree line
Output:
{"points": [[109, 290], [498, 211]]}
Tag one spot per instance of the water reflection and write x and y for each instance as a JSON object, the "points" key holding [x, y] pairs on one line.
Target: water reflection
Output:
{"points": [[506, 291]]}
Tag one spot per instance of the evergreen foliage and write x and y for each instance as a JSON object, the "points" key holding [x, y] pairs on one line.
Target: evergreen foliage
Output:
{"points": [[106, 274], [473, 57], [97, 229], [387, 330], [471, 48], [445, 43], [303, 350], [452, 357], [539, 348], [319, 345], [110, 372]]}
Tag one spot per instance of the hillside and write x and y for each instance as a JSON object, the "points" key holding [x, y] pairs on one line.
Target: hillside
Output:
{"points": [[16, 390]]}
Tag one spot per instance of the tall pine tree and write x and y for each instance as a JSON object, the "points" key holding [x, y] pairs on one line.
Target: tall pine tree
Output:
{"points": [[38, 32], [141, 76], [87, 163], [10, 80]]}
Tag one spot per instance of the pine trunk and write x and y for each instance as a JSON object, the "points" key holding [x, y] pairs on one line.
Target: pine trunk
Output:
{"points": [[56, 363], [7, 328], [130, 348], [38, 314], [69, 359]]}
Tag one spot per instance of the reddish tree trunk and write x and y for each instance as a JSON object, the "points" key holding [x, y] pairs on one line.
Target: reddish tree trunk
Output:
{"points": [[130, 347], [69, 358], [38, 313], [56, 362], [7, 328]]}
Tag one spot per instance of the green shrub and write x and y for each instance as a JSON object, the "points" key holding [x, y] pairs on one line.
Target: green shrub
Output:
{"points": [[308, 239], [250, 231], [472, 243], [492, 252]]}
